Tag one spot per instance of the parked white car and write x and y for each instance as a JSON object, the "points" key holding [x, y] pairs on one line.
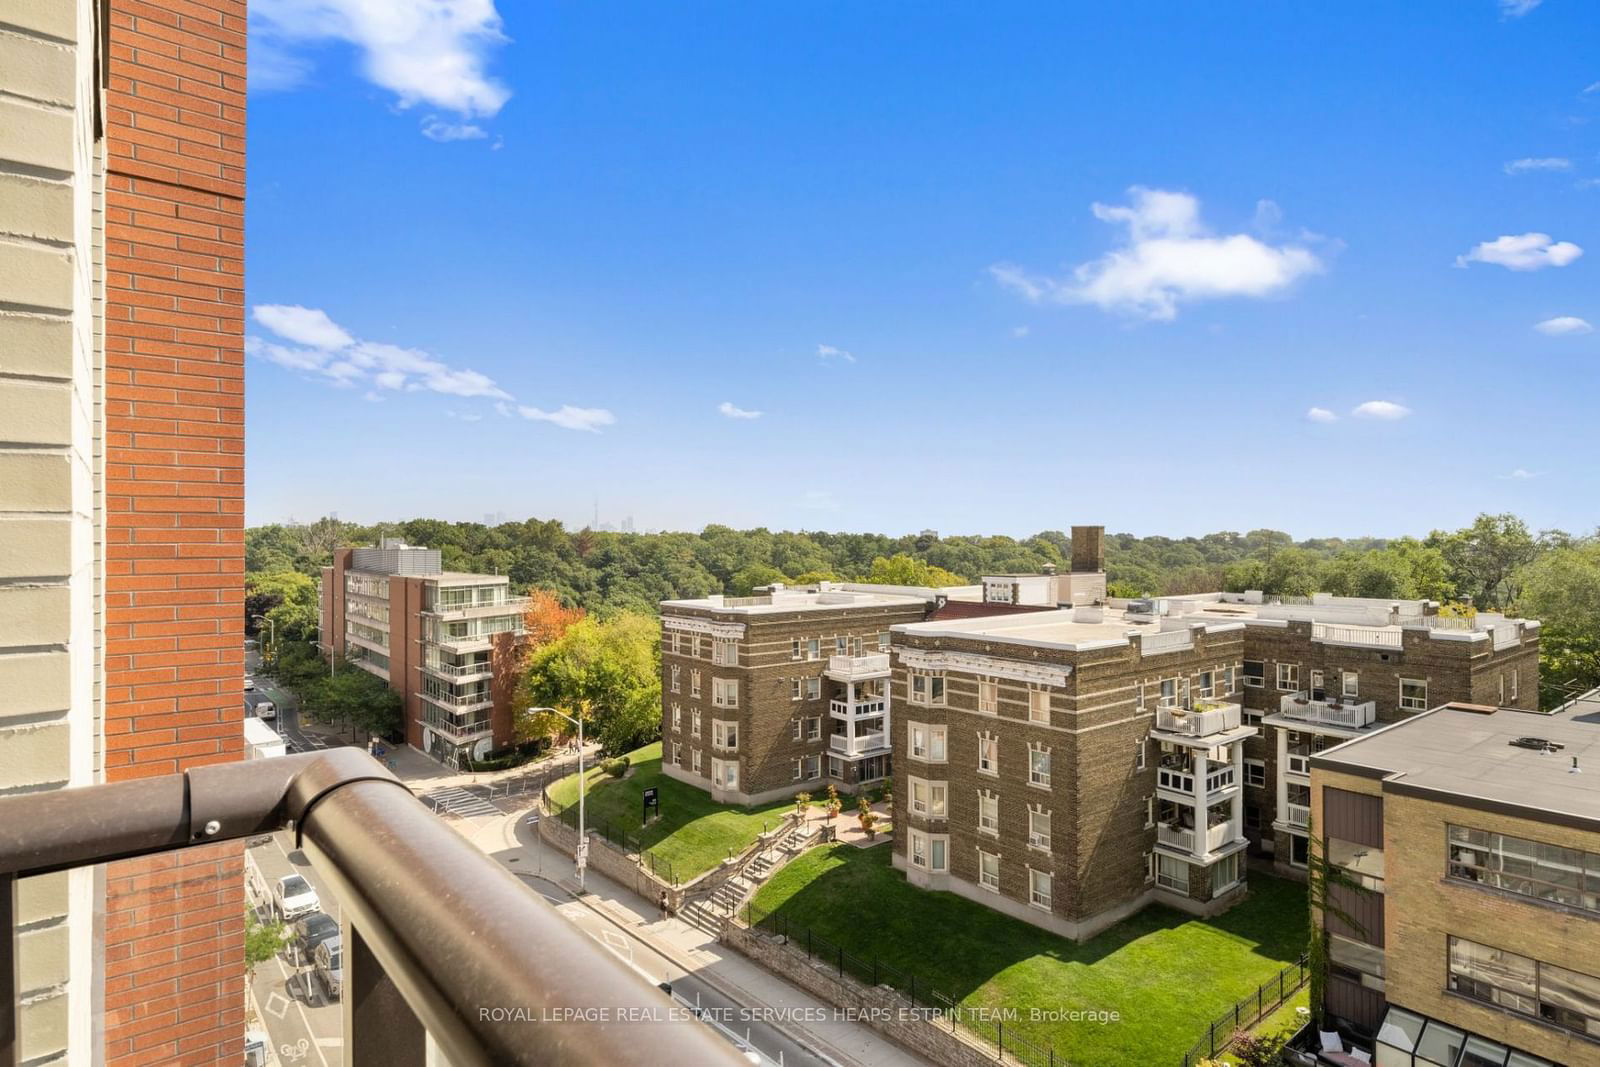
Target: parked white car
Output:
{"points": [[249, 683], [293, 897]]}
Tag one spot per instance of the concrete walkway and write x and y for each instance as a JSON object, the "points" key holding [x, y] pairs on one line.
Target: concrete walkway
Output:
{"points": [[513, 843]]}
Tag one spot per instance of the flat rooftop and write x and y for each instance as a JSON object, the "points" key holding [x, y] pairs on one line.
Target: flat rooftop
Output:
{"points": [[1065, 628], [796, 600], [1466, 751]]}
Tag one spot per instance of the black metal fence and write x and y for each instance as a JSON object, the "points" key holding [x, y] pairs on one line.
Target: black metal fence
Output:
{"points": [[993, 1028], [1248, 1012], [619, 837]]}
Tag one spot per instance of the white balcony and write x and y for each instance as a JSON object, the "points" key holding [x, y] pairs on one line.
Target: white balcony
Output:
{"points": [[861, 709], [1216, 719], [860, 745], [1345, 714], [459, 670], [1183, 837], [858, 668], [1219, 779], [459, 731], [511, 606], [1360, 636], [1297, 814], [1151, 644], [461, 700]]}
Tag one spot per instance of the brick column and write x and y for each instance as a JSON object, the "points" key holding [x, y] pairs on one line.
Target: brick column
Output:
{"points": [[174, 322]]}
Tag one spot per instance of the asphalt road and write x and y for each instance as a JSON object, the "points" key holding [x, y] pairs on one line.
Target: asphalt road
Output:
{"points": [[288, 706], [306, 1030]]}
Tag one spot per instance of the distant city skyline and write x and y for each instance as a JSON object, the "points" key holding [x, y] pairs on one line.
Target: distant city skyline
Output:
{"points": [[985, 270]]}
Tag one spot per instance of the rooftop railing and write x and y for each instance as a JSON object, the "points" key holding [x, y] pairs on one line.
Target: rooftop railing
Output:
{"points": [[1363, 636], [1348, 713], [437, 935]]}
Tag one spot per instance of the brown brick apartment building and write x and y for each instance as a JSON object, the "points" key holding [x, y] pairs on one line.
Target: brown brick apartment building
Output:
{"points": [[1318, 673], [121, 491], [446, 641], [1476, 834], [1062, 769]]}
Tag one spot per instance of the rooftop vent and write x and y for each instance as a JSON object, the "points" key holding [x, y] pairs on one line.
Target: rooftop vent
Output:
{"points": [[1538, 744]]}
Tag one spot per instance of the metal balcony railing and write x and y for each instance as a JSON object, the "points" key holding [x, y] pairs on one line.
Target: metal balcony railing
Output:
{"points": [[436, 933]]}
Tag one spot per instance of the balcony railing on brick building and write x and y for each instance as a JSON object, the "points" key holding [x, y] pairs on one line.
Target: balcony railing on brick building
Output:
{"points": [[444, 949]]}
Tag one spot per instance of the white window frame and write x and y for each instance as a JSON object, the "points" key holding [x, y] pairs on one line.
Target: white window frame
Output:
{"points": [[677, 753], [798, 731], [985, 879], [725, 735], [926, 743], [1036, 777], [991, 801], [1217, 867], [677, 716], [1515, 681], [813, 688], [694, 683], [1036, 899], [796, 688], [724, 652], [725, 692], [672, 679], [883, 641], [813, 648], [694, 758], [1228, 679], [1038, 704], [722, 770], [988, 696], [1350, 685], [1206, 682], [1150, 812], [1414, 703], [1163, 700], [936, 802], [1170, 881], [694, 722], [1259, 681], [814, 728], [1251, 766], [796, 649], [991, 745], [1039, 833], [1139, 748], [928, 843], [1290, 673]]}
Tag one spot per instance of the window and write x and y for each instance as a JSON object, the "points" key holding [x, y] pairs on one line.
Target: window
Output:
{"points": [[1356, 962], [1564, 876], [1149, 812], [1138, 754], [724, 735], [1255, 673], [797, 729], [1172, 873], [1514, 680], [1501, 701], [1227, 680], [814, 728], [694, 645], [1252, 817], [927, 688], [1289, 676], [989, 871], [813, 688], [813, 648], [725, 773], [1207, 682], [694, 683], [725, 692], [725, 653], [806, 689], [1039, 766], [883, 641], [677, 716], [1038, 705], [1039, 888], [1362, 864], [835, 767], [1568, 999], [1299, 850], [672, 641], [927, 798], [1414, 694], [1250, 716], [1224, 873], [694, 758], [988, 755], [796, 648], [673, 679], [694, 723], [1349, 685], [1255, 772], [928, 850], [1169, 692], [1316, 689], [989, 813], [677, 753], [988, 696], [1038, 829], [927, 742], [797, 689]]}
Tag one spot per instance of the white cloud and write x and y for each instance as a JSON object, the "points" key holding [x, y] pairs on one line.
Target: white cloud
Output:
{"points": [[1515, 9], [826, 352], [1523, 166], [570, 418], [1520, 475], [1380, 409], [322, 348], [1592, 87], [1563, 324], [1019, 331], [1321, 415], [1529, 251], [1169, 258], [737, 413], [1587, 183], [434, 52], [436, 129], [302, 325]]}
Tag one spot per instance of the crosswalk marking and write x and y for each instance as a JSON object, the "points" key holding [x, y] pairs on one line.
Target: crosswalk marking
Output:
{"points": [[459, 801]]}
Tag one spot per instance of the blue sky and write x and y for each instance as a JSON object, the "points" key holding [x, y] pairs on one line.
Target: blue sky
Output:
{"points": [[981, 268]]}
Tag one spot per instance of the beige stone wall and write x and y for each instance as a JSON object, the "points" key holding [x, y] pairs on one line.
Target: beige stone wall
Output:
{"points": [[1423, 908], [51, 381]]}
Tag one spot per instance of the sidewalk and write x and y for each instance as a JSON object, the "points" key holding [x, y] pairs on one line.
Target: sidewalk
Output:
{"points": [[516, 845]]}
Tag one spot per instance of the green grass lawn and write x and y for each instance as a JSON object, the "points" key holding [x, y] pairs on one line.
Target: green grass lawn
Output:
{"points": [[1167, 974], [694, 834]]}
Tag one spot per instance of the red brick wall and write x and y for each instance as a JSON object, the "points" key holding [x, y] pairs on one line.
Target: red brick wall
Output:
{"points": [[174, 507]]}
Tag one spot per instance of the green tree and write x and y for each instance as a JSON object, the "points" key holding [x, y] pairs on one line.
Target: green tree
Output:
{"points": [[1562, 590], [1483, 560], [611, 667], [288, 598], [262, 941], [750, 578], [903, 569]]}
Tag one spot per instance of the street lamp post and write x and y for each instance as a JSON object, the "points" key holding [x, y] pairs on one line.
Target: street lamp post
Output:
{"points": [[583, 840], [272, 631]]}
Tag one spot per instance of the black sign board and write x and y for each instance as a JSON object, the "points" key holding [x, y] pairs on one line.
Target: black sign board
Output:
{"points": [[650, 801]]}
